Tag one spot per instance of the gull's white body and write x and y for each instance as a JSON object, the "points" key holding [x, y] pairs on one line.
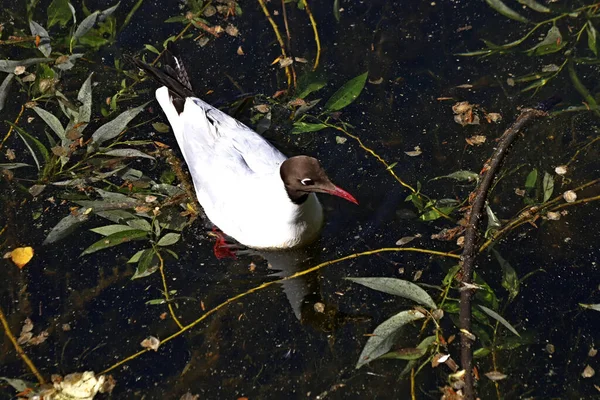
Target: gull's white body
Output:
{"points": [[237, 179]]}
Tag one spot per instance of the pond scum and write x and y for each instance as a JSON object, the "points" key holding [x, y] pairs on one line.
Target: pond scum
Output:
{"points": [[82, 158]]}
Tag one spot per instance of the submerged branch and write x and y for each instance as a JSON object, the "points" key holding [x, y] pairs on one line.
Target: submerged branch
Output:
{"points": [[19, 349], [271, 283], [470, 252]]}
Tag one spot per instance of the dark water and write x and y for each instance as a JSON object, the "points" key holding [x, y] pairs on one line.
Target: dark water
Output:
{"points": [[273, 344]]}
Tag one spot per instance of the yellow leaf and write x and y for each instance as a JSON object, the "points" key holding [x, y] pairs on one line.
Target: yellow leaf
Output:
{"points": [[21, 256]]}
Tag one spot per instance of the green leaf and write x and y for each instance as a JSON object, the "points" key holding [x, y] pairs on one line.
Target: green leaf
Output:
{"points": [[595, 307], [461, 176], [552, 43], [397, 287], [583, 91], [37, 30], [151, 48], [90, 21], [493, 221], [136, 257], [547, 186], [147, 264], [13, 165], [36, 148], [116, 239], [411, 353], [59, 13], [592, 34], [303, 127], [111, 229], [113, 128], [85, 97], [310, 82], [347, 93], [535, 6], [10, 65], [499, 318], [161, 127], [52, 121], [385, 335], [336, 10], [65, 227], [4, 89], [141, 224], [129, 153], [169, 239], [433, 214], [510, 280], [531, 180], [508, 12]]}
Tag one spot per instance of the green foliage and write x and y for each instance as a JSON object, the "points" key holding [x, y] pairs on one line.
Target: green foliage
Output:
{"points": [[347, 93]]}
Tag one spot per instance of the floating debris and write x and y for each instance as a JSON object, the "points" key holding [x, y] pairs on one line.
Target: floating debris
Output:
{"points": [[570, 196], [561, 170]]}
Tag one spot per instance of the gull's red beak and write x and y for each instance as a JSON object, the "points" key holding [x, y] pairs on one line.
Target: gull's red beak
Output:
{"points": [[339, 192]]}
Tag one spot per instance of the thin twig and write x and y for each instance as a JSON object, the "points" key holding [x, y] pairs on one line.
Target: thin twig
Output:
{"points": [[388, 167], [165, 288], [19, 349], [12, 126], [288, 72], [469, 254], [289, 38], [316, 32], [271, 283]]}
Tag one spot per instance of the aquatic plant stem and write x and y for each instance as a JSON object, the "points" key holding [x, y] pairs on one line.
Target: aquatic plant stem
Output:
{"points": [[532, 213], [316, 32], [12, 126], [19, 349], [388, 167], [265, 10], [165, 288], [271, 283], [489, 171], [288, 37]]}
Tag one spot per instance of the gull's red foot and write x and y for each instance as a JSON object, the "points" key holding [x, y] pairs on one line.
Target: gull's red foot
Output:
{"points": [[222, 249]]}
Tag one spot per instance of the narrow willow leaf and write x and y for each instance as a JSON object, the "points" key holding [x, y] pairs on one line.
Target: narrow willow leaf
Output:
{"points": [[110, 229], [147, 264], [151, 48], [140, 224], [421, 349], [4, 89], [552, 43], [311, 82], [113, 128], [37, 30], [476, 53], [595, 307], [169, 239], [505, 10], [385, 335], [499, 318], [461, 176], [347, 93], [13, 165], [590, 100], [397, 287], [127, 153], [303, 127], [36, 148], [59, 12], [336, 10], [136, 257], [10, 65], [547, 186], [592, 34], [535, 6], [51, 120], [116, 239], [85, 97], [90, 21], [65, 227], [510, 280], [493, 221], [531, 179]]}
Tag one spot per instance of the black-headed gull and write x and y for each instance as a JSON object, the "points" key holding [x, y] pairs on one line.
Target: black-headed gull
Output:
{"points": [[247, 187]]}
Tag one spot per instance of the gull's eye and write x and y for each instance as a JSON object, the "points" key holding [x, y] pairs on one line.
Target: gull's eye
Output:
{"points": [[307, 182]]}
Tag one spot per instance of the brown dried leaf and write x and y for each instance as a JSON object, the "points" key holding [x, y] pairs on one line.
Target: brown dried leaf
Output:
{"points": [[496, 376], [476, 140], [151, 343]]}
